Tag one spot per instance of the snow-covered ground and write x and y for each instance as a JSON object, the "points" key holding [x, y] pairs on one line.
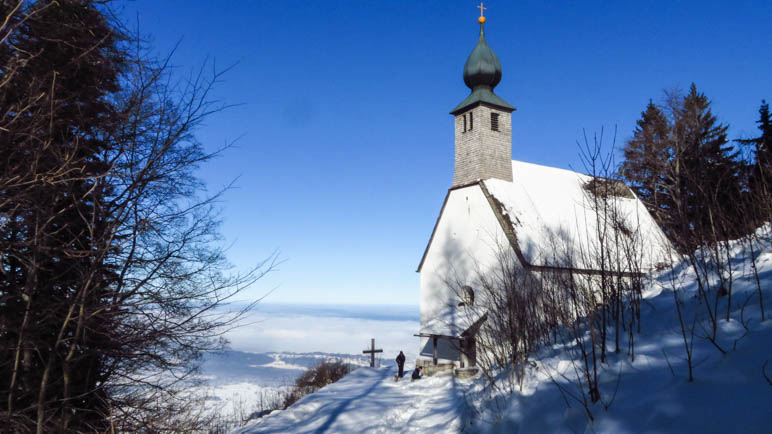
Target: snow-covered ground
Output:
{"points": [[369, 400], [651, 394], [280, 341], [240, 383]]}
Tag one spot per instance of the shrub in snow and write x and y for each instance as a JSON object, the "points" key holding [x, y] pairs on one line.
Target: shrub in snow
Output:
{"points": [[315, 378]]}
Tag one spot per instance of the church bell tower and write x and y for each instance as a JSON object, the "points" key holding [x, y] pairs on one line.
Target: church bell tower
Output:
{"points": [[483, 121]]}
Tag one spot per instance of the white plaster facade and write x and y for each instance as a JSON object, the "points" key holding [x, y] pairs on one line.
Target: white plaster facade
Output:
{"points": [[465, 241]]}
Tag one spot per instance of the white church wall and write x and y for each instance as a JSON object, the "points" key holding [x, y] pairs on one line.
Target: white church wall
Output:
{"points": [[466, 242]]}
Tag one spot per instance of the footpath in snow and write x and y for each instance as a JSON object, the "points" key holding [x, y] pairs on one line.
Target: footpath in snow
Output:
{"points": [[369, 400]]}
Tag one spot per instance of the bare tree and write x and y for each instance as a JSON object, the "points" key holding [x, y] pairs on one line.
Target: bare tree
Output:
{"points": [[112, 282]]}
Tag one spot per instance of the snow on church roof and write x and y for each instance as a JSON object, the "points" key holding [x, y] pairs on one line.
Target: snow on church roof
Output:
{"points": [[553, 218]]}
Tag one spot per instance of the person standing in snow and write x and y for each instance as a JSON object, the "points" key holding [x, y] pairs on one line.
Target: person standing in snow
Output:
{"points": [[417, 373], [401, 364]]}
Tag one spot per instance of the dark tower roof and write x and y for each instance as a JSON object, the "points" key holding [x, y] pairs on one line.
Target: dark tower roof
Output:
{"points": [[482, 73]]}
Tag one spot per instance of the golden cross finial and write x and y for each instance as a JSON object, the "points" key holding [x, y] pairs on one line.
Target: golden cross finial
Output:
{"points": [[482, 17]]}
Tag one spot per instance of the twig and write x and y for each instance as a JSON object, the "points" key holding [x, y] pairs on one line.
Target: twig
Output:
{"points": [[616, 389], [734, 346], [562, 391], [668, 362]]}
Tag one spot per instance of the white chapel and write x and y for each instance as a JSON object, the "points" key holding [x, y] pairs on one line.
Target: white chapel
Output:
{"points": [[497, 204]]}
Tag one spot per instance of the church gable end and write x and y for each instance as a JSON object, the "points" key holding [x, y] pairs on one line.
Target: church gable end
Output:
{"points": [[464, 241]]}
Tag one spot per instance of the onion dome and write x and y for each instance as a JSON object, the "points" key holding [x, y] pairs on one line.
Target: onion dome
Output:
{"points": [[482, 72], [482, 67]]}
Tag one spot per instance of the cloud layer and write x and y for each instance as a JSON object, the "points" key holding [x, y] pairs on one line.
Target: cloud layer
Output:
{"points": [[328, 329]]}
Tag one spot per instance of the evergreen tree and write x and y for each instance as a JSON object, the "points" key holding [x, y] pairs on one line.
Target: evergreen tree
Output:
{"points": [[109, 281], [710, 165], [60, 63], [682, 167], [760, 176], [646, 155]]}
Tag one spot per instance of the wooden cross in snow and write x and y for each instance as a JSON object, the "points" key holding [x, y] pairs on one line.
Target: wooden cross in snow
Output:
{"points": [[372, 352]]}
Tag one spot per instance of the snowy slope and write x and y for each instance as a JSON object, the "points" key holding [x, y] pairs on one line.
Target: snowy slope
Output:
{"points": [[241, 383], [650, 394], [266, 361], [369, 400], [729, 393]]}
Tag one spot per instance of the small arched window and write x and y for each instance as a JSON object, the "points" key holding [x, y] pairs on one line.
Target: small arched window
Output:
{"points": [[467, 296]]}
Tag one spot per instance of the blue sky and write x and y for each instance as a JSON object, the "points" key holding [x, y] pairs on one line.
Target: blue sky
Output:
{"points": [[345, 146]]}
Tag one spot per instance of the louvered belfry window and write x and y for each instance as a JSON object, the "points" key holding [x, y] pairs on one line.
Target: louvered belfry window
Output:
{"points": [[494, 121], [471, 121], [464, 116]]}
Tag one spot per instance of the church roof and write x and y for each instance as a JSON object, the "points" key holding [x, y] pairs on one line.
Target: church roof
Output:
{"points": [[551, 214], [547, 215], [482, 96], [482, 72]]}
